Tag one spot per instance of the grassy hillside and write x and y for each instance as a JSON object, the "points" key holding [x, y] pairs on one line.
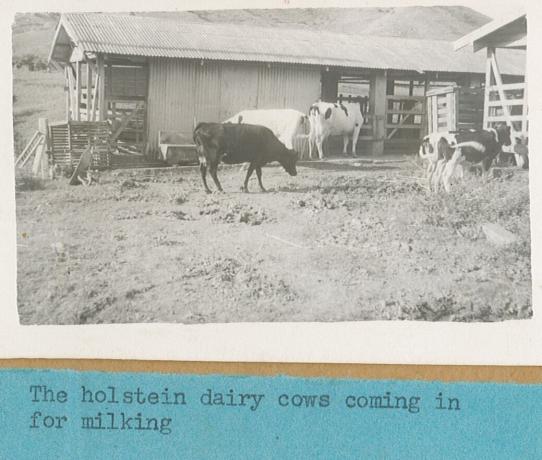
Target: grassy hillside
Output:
{"points": [[33, 33], [407, 22], [36, 94]]}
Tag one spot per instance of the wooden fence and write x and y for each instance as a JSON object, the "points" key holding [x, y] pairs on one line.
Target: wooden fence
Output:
{"points": [[455, 108], [507, 103]]}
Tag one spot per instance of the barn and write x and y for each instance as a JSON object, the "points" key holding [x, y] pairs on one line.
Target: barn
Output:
{"points": [[143, 75]]}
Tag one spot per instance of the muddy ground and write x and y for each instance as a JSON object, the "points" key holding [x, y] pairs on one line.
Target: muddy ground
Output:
{"points": [[342, 241]]}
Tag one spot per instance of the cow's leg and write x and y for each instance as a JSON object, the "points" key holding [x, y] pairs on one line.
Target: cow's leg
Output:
{"points": [[212, 170], [203, 170], [450, 169], [259, 174], [244, 188], [437, 175], [320, 145], [355, 137], [430, 172], [345, 144], [312, 142]]}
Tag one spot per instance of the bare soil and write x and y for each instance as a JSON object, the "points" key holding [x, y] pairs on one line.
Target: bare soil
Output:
{"points": [[342, 241]]}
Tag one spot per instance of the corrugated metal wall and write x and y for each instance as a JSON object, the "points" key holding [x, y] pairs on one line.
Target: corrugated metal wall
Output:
{"points": [[180, 90]]}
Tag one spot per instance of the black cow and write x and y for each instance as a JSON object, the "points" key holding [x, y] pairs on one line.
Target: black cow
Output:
{"points": [[240, 143]]}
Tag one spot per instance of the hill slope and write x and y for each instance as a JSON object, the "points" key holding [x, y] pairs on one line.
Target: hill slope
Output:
{"points": [[406, 22]]}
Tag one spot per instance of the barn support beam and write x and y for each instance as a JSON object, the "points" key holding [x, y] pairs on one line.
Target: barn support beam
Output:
{"points": [[487, 91], [101, 88], [89, 90], [68, 95], [71, 90], [377, 100], [78, 78]]}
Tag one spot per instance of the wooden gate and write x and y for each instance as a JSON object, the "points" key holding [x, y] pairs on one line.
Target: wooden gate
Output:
{"points": [[405, 117]]}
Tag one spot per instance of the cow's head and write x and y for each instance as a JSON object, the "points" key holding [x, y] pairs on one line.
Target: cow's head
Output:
{"points": [[425, 147], [503, 134], [288, 161]]}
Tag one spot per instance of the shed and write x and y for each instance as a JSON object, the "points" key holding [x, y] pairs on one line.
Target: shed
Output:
{"points": [[504, 101], [146, 74]]}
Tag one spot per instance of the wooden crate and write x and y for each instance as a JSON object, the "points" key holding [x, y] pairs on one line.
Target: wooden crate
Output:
{"points": [[68, 140], [455, 108]]}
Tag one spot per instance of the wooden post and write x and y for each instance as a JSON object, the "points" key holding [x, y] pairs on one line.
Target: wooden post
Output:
{"points": [[67, 89], [70, 90], [487, 92], [78, 90], [101, 88], [89, 89], [94, 97], [499, 84], [41, 161], [379, 103], [525, 108], [426, 118], [450, 104]]}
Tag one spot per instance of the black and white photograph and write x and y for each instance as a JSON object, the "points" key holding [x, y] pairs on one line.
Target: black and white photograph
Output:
{"points": [[271, 165]]}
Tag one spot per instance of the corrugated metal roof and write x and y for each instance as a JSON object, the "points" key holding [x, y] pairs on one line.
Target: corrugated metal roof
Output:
{"points": [[157, 37]]}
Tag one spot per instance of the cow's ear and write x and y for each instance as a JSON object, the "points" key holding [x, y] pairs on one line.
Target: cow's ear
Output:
{"points": [[327, 114]]}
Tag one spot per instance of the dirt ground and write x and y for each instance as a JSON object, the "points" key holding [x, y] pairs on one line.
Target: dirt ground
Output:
{"points": [[342, 241]]}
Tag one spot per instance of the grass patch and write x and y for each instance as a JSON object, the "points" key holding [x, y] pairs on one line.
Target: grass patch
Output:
{"points": [[36, 95]]}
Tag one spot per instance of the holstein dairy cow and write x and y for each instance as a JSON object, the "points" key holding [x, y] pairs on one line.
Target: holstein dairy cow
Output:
{"points": [[476, 147], [327, 119], [240, 143], [284, 123], [437, 149]]}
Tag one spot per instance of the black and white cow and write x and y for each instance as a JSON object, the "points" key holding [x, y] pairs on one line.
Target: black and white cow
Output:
{"points": [[476, 147], [327, 119], [447, 151]]}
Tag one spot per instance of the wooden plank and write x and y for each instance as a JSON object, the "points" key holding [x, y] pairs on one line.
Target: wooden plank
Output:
{"points": [[70, 91], [508, 102], [507, 86], [89, 90], [525, 111], [101, 88], [498, 81], [25, 150], [78, 90], [401, 125], [94, 97], [434, 111], [378, 101], [67, 90], [487, 90], [405, 98], [505, 118], [405, 112], [38, 158]]}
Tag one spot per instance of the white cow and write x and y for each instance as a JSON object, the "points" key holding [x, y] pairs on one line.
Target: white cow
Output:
{"points": [[286, 124], [327, 119]]}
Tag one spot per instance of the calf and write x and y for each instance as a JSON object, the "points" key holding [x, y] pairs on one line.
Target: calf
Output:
{"points": [[436, 149], [240, 143], [478, 147], [327, 119]]}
